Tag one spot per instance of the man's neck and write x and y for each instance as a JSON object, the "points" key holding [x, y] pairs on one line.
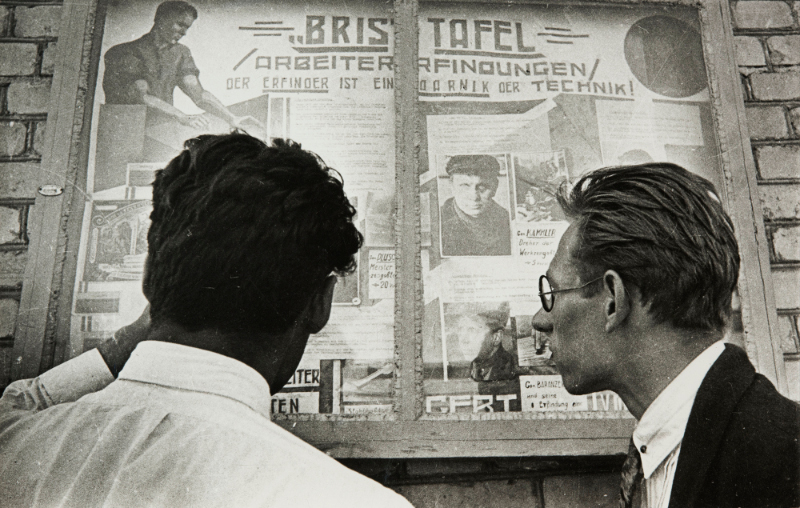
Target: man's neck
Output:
{"points": [[660, 356], [248, 348], [159, 42]]}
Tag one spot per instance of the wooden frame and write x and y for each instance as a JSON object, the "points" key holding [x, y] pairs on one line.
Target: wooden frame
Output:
{"points": [[55, 224]]}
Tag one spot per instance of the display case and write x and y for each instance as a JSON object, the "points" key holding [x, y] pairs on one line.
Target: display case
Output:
{"points": [[429, 351]]}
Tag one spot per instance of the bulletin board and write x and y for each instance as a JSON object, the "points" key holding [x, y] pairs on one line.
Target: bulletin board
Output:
{"points": [[429, 351]]}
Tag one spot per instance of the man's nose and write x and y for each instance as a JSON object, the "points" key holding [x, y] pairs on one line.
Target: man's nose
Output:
{"points": [[541, 322]]}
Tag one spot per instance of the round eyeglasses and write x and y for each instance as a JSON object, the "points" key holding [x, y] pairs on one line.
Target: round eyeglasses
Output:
{"points": [[547, 293]]}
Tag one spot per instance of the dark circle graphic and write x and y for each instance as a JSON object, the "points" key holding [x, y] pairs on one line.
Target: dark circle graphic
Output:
{"points": [[666, 55]]}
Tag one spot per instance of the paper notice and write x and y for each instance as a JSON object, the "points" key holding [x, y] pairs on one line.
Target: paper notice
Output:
{"points": [[142, 174], [485, 280], [307, 374], [381, 274], [536, 242], [359, 141], [636, 132], [362, 333], [547, 393], [362, 409], [295, 402], [452, 134]]}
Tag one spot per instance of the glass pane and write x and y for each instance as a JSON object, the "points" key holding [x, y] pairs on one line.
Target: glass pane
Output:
{"points": [[531, 97], [320, 73]]}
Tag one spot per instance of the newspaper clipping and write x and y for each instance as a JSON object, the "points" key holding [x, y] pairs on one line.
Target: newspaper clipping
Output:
{"points": [[518, 101], [320, 73]]}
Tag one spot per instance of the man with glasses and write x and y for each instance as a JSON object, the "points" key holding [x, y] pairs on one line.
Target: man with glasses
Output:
{"points": [[637, 300]]}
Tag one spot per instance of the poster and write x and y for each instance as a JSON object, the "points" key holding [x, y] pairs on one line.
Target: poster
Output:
{"points": [[320, 73], [518, 101]]}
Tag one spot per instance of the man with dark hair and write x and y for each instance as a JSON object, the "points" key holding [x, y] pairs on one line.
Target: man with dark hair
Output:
{"points": [[147, 70], [637, 300], [243, 242], [473, 224]]}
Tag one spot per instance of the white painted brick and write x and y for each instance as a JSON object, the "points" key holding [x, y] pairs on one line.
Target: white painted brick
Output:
{"points": [[784, 49], [18, 179], [41, 21], [762, 14], [12, 267], [28, 97], [788, 336], [9, 308], [787, 288], [786, 242], [766, 122], [17, 59], [12, 138], [749, 52], [778, 161], [780, 201], [9, 225], [769, 86]]}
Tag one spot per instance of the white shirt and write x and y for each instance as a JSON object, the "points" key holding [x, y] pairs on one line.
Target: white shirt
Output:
{"points": [[659, 433], [180, 427]]}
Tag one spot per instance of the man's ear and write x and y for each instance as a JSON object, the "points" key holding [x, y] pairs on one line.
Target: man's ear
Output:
{"points": [[617, 303], [319, 309]]}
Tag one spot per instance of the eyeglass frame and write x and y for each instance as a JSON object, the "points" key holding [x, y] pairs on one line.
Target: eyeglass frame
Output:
{"points": [[543, 294]]}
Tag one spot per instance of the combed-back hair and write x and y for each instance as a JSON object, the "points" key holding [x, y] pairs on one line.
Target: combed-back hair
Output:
{"points": [[243, 234], [663, 229], [174, 8]]}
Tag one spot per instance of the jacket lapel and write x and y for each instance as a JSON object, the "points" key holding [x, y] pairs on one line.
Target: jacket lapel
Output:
{"points": [[716, 399]]}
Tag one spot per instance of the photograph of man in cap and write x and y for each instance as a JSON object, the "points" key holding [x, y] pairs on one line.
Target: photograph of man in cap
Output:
{"points": [[473, 224]]}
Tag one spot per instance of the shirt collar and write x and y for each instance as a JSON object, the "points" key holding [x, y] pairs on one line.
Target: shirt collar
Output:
{"points": [[197, 370], [663, 424], [150, 38]]}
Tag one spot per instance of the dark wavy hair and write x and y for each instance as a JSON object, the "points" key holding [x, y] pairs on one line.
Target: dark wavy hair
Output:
{"points": [[168, 10], [243, 234], [663, 229]]}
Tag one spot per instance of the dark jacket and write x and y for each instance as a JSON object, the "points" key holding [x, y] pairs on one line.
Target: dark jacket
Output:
{"points": [[488, 236], [740, 447]]}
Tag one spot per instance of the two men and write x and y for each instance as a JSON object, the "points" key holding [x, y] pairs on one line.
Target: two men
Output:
{"points": [[473, 224], [243, 242], [637, 300], [147, 71]]}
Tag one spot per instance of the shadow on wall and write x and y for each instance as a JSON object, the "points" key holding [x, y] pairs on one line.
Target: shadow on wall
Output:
{"points": [[578, 491]]}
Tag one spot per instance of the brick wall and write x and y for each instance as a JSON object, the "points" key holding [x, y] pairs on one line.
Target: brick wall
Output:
{"points": [[28, 33], [767, 35]]}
